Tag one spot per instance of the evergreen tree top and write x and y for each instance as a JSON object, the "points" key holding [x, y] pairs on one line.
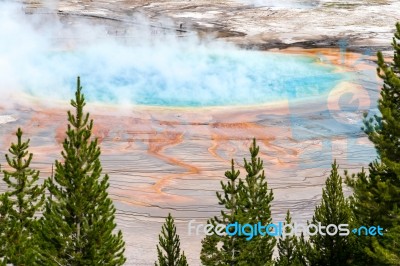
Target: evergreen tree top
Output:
{"points": [[19, 205], [384, 129], [330, 248], [169, 251], [288, 248], [246, 200], [253, 190], [19, 150], [376, 195], [229, 198], [334, 208], [78, 223], [26, 196]]}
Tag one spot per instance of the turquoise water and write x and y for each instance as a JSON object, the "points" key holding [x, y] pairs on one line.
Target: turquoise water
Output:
{"points": [[192, 77], [160, 71]]}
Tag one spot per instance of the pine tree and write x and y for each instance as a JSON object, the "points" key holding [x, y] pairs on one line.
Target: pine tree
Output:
{"points": [[211, 255], [20, 203], [384, 130], [288, 247], [376, 196], [373, 205], [384, 251], [168, 249], [78, 224], [4, 223], [305, 252], [332, 250], [245, 201], [256, 198]]}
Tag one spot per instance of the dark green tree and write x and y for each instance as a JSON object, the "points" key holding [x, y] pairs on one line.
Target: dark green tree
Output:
{"points": [[255, 198], [330, 248], [383, 130], [4, 223], [382, 252], [245, 201], [228, 254], [210, 254], [376, 195], [19, 205], [288, 247], [78, 225], [305, 252], [168, 249]]}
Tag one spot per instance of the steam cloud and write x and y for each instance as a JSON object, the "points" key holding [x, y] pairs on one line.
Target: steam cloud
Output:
{"points": [[42, 57]]}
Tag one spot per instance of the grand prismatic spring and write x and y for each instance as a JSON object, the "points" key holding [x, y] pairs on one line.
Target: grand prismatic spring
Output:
{"points": [[175, 96]]}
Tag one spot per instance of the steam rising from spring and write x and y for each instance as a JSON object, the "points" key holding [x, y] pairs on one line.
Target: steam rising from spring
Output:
{"points": [[42, 57]]}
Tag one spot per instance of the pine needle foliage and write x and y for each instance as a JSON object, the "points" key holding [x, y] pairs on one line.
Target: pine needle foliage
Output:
{"points": [[78, 226], [245, 201], [224, 250], [168, 249], [256, 197], [335, 249], [288, 247], [20, 205], [376, 195]]}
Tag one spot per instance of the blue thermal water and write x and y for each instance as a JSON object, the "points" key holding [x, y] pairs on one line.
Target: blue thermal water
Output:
{"points": [[191, 77], [165, 71]]}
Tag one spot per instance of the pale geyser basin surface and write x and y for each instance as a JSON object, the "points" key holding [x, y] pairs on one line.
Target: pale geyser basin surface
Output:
{"points": [[168, 156], [165, 145], [165, 159]]}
